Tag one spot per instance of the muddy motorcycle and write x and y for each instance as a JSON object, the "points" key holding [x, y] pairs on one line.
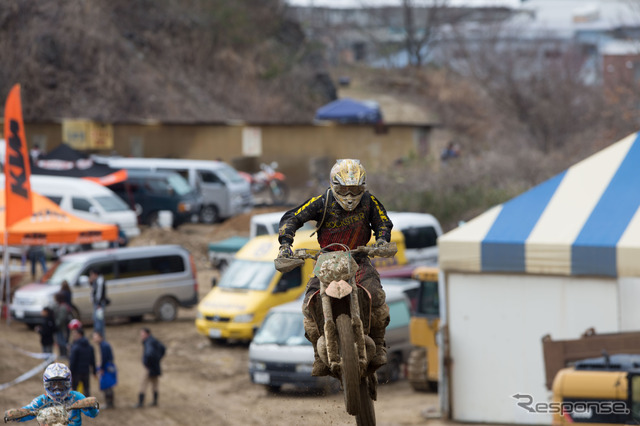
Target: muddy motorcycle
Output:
{"points": [[268, 180], [344, 318], [52, 414]]}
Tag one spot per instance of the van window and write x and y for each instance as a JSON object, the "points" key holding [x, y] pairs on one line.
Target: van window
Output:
{"points": [[247, 275], [105, 268], [421, 237], [289, 280], [63, 270], [282, 328], [111, 203], [398, 314], [55, 199], [179, 185], [262, 230], [207, 176], [182, 172], [140, 267], [230, 173], [81, 204]]}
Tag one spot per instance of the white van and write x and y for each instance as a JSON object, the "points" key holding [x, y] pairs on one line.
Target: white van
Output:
{"points": [[421, 232], [225, 193], [87, 200]]}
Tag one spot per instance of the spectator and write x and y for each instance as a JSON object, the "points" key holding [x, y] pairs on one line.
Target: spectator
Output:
{"points": [[62, 313], [36, 255], [122, 240], [35, 153], [451, 151], [107, 373], [47, 330], [98, 299], [153, 351], [65, 289], [82, 361]]}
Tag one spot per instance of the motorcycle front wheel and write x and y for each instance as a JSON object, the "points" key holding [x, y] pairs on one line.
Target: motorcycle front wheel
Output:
{"points": [[350, 371], [366, 415]]}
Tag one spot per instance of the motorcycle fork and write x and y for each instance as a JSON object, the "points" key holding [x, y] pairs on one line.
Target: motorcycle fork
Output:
{"points": [[332, 308]]}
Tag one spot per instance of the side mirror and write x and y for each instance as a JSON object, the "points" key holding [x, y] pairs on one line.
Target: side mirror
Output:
{"points": [[93, 210], [83, 280]]}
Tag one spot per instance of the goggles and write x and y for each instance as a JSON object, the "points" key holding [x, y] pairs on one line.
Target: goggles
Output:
{"points": [[54, 386], [354, 190]]}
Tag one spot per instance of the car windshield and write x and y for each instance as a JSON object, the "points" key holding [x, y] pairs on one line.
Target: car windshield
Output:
{"points": [[282, 328], [112, 203], [248, 275], [179, 184], [230, 174], [63, 270]]}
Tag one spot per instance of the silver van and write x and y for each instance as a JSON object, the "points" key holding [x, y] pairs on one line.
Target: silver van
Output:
{"points": [[140, 280], [225, 193]]}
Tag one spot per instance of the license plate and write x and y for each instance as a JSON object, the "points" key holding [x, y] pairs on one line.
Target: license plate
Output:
{"points": [[19, 314], [261, 378], [215, 332]]}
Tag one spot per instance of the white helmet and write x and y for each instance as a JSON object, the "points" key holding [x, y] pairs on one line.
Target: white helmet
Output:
{"points": [[57, 381], [348, 181]]}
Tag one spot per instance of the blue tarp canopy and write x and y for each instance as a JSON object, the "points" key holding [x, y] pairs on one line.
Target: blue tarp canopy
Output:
{"points": [[350, 111], [584, 221]]}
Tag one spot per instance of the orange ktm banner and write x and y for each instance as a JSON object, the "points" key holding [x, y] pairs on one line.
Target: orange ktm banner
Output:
{"points": [[49, 224], [17, 169]]}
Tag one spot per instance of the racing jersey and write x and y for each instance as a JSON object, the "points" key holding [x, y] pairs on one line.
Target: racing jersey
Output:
{"points": [[75, 418], [352, 228]]}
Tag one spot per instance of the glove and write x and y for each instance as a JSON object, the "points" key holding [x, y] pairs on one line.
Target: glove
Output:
{"points": [[380, 242], [285, 251]]}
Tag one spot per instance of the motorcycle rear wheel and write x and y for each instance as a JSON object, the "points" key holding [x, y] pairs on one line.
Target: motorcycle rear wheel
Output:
{"points": [[350, 370], [367, 414]]}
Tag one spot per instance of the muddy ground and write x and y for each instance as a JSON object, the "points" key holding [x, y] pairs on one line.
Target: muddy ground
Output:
{"points": [[202, 383]]}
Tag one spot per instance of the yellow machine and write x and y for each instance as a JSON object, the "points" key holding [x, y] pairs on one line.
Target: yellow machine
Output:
{"points": [[603, 390], [423, 361]]}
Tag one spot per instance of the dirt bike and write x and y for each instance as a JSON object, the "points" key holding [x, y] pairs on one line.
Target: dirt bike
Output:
{"points": [[344, 316], [271, 180], [52, 414]]}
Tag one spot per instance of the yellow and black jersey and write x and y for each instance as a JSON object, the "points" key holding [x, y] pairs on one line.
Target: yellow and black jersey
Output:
{"points": [[352, 228]]}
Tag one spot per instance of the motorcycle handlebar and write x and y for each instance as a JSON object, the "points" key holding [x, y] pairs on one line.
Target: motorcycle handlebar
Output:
{"points": [[286, 264]]}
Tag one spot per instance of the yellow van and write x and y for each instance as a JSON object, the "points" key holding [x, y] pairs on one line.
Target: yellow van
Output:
{"points": [[235, 308]]}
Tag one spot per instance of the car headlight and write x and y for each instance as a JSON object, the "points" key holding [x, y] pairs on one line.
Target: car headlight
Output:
{"points": [[304, 368], [243, 318], [260, 366], [184, 207]]}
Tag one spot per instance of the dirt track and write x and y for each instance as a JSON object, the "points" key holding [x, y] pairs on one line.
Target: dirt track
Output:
{"points": [[202, 383]]}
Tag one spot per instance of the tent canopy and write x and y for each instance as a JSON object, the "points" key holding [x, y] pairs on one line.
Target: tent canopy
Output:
{"points": [[49, 224], [584, 221], [66, 161], [350, 111]]}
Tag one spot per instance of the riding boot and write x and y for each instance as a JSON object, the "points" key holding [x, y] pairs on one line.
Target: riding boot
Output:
{"points": [[140, 400], [313, 334], [379, 322], [155, 399]]}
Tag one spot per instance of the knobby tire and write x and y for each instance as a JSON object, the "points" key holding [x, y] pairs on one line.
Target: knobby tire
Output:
{"points": [[350, 370], [367, 414]]}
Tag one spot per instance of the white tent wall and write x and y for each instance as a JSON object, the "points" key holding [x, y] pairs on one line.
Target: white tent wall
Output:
{"points": [[496, 323], [629, 297]]}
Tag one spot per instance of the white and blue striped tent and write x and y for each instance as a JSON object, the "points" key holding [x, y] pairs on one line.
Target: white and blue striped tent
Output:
{"points": [[556, 260], [583, 221]]}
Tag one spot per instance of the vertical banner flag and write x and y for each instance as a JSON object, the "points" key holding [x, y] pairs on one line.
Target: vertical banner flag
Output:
{"points": [[17, 168]]}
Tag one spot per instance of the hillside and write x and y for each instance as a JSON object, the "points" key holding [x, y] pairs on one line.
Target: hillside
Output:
{"points": [[170, 60]]}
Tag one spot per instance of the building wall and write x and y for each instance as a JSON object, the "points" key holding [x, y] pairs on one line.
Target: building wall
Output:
{"points": [[496, 323], [293, 147]]}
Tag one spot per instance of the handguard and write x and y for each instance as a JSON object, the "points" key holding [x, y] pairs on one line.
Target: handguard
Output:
{"points": [[286, 264]]}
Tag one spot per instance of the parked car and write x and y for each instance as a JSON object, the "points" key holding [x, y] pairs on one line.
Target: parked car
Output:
{"points": [[225, 193], [149, 193], [140, 280], [279, 354]]}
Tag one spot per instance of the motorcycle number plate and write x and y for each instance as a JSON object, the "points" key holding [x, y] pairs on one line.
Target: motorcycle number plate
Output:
{"points": [[215, 332], [261, 378]]}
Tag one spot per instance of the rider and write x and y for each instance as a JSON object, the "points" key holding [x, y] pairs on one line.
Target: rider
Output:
{"points": [[57, 390], [346, 214]]}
